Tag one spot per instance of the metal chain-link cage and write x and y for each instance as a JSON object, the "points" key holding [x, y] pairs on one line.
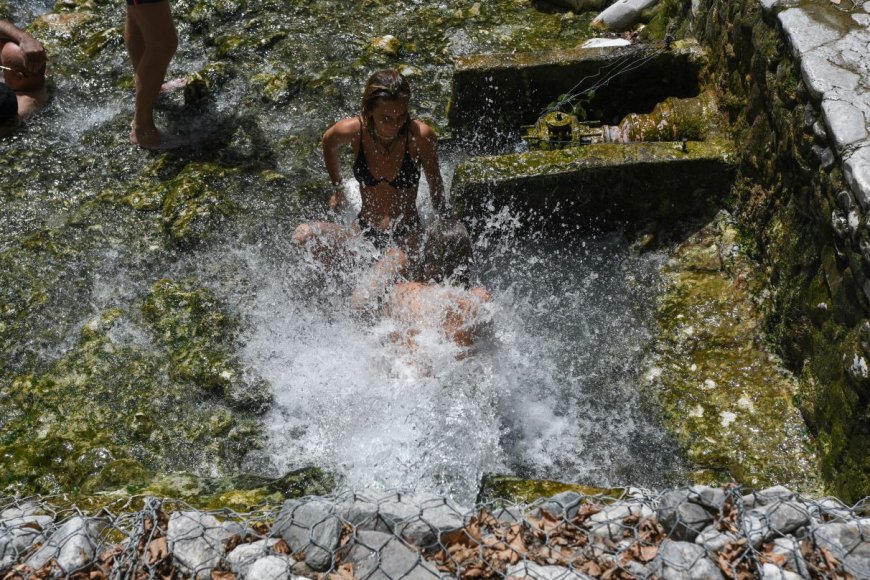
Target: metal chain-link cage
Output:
{"points": [[693, 532]]}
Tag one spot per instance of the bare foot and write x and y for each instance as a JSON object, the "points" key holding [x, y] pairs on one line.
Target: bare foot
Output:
{"points": [[154, 140], [173, 85]]}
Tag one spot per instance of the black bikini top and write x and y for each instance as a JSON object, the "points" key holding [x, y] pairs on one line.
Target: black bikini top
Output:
{"points": [[407, 176]]}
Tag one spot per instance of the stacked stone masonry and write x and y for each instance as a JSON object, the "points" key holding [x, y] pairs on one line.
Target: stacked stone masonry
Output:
{"points": [[794, 78]]}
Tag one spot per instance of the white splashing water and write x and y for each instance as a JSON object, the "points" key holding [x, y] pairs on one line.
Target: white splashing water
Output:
{"points": [[548, 392]]}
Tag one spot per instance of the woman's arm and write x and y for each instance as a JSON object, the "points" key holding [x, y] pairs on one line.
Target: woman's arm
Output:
{"points": [[427, 152], [340, 134]]}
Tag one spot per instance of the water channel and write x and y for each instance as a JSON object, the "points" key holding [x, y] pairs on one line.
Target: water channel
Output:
{"points": [[90, 226]]}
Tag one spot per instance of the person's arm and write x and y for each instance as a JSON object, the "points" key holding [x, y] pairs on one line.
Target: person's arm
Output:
{"points": [[427, 152], [34, 52], [335, 137]]}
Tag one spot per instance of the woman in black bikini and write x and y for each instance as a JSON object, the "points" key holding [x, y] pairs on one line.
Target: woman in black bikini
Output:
{"points": [[389, 150]]}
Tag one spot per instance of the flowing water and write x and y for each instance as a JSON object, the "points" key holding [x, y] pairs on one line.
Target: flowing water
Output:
{"points": [[94, 374]]}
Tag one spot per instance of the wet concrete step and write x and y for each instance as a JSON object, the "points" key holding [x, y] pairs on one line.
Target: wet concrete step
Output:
{"points": [[604, 184]]}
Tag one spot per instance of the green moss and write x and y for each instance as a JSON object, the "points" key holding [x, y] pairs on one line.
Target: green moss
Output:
{"points": [[506, 488], [726, 400], [274, 88]]}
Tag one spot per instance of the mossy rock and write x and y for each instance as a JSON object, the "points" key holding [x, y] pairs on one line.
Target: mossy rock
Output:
{"points": [[123, 473], [191, 206], [274, 88], [725, 398], [510, 489]]}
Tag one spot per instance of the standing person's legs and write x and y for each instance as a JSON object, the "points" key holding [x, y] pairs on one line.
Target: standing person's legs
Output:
{"points": [[151, 41]]}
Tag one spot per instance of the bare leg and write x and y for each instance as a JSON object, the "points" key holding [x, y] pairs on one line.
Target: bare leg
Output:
{"points": [[151, 41]]}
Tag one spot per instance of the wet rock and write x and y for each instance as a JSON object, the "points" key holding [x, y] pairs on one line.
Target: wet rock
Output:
{"points": [[538, 572], [274, 88], [387, 45], [117, 474], [682, 560], [196, 541], [848, 543], [73, 544], [622, 15], [382, 555], [418, 519], [312, 527]]}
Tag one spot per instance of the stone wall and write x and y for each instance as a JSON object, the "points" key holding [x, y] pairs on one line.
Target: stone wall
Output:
{"points": [[799, 199]]}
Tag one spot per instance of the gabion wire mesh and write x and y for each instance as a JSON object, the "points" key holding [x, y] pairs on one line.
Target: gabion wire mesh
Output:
{"points": [[694, 532]]}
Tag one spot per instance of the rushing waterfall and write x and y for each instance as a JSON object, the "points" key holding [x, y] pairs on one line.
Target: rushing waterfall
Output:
{"points": [[547, 391]]}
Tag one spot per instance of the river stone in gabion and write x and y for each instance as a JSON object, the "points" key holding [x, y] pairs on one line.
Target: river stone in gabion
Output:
{"points": [[310, 526], [832, 508], [244, 555], [277, 566], [608, 523], [770, 495], [538, 572], [773, 520], [378, 555], [681, 518], [713, 539], [27, 508], [18, 534], [196, 541], [790, 550], [849, 542], [563, 505], [72, 545], [684, 561], [774, 572], [418, 519]]}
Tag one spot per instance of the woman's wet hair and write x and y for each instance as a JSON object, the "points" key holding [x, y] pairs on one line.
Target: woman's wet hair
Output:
{"points": [[446, 253], [8, 104], [384, 85]]}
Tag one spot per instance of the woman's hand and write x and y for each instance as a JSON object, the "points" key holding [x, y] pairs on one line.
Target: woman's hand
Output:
{"points": [[337, 198]]}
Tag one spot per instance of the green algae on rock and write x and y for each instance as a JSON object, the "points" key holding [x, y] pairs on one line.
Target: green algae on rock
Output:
{"points": [[727, 400], [200, 337], [507, 488]]}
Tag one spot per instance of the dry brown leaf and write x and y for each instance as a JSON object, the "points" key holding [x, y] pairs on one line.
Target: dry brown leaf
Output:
{"points": [[647, 553], [222, 575], [158, 550], [281, 547], [591, 568], [344, 572]]}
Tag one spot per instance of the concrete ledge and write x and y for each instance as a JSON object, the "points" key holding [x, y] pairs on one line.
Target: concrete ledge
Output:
{"points": [[831, 46], [604, 183], [493, 93]]}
